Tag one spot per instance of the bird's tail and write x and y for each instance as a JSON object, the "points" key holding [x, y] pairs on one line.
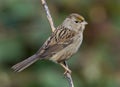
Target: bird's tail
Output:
{"points": [[25, 63]]}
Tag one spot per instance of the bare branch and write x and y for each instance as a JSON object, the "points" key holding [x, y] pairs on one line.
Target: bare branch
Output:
{"points": [[48, 14], [67, 75], [69, 78]]}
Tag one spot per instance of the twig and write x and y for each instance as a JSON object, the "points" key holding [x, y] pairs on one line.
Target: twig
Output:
{"points": [[68, 75], [48, 14], [69, 78]]}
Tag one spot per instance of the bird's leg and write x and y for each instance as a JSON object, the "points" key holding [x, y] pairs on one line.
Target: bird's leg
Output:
{"points": [[65, 66]]}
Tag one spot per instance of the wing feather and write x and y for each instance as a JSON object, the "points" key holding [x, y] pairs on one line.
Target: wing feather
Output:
{"points": [[59, 39]]}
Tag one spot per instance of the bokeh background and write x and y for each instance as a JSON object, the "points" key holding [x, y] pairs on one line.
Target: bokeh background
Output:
{"points": [[24, 28]]}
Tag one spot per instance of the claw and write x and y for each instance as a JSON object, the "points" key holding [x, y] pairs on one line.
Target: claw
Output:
{"points": [[67, 71]]}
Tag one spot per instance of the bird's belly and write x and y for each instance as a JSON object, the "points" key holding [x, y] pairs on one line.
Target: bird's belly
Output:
{"points": [[67, 52]]}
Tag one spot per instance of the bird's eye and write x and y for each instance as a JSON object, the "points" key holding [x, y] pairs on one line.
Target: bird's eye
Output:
{"points": [[76, 21]]}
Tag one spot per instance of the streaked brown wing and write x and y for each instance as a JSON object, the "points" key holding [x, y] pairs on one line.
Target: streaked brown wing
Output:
{"points": [[59, 39]]}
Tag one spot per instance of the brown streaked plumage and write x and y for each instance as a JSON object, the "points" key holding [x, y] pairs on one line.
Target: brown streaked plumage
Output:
{"points": [[78, 17], [61, 45]]}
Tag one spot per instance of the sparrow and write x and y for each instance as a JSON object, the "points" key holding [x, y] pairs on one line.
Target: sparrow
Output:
{"points": [[61, 45]]}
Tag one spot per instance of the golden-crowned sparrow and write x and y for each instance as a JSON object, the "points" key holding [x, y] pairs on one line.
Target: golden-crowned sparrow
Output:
{"points": [[61, 45]]}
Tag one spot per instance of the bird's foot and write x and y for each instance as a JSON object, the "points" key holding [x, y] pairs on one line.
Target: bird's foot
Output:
{"points": [[67, 71]]}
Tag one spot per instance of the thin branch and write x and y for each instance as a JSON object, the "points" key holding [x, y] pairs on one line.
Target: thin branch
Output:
{"points": [[69, 78], [48, 14], [67, 75]]}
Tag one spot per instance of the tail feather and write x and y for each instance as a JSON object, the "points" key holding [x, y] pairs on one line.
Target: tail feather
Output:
{"points": [[25, 63]]}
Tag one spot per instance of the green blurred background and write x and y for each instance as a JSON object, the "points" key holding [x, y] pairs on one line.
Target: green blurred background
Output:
{"points": [[24, 28]]}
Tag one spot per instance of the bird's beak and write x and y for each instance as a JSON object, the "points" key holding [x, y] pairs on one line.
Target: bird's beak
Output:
{"points": [[84, 23]]}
